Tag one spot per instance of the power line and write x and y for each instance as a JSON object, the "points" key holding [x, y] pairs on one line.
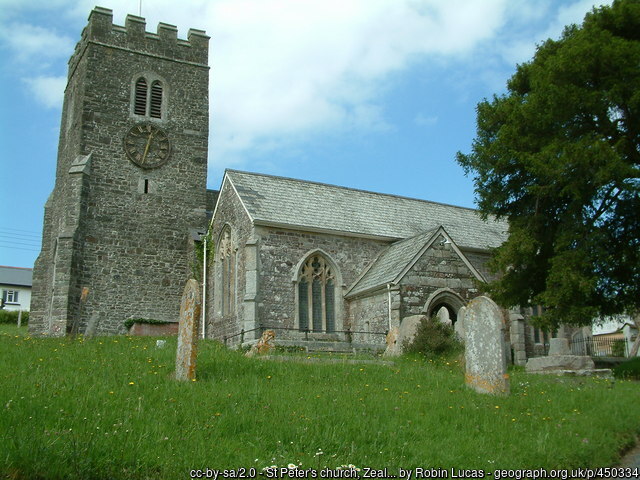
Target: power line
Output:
{"points": [[18, 248], [22, 240], [21, 230]]}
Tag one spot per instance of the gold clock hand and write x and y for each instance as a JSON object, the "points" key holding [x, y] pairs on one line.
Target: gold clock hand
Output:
{"points": [[146, 148]]}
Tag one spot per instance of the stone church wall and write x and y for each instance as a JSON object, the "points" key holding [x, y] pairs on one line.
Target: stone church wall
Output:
{"points": [[480, 261], [229, 212], [439, 267], [282, 250], [370, 314]]}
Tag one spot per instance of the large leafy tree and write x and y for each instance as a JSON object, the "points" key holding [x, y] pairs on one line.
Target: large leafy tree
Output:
{"points": [[558, 155]]}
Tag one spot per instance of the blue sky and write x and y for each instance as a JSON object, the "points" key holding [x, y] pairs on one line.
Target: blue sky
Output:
{"points": [[371, 94]]}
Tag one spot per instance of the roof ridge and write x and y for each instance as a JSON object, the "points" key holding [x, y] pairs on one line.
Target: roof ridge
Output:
{"points": [[231, 170]]}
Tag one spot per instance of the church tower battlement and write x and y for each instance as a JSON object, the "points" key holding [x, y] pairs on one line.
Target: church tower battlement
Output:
{"points": [[134, 37], [130, 179]]}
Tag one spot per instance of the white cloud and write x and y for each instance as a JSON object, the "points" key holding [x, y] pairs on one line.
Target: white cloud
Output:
{"points": [[48, 91], [35, 44], [552, 17], [282, 69]]}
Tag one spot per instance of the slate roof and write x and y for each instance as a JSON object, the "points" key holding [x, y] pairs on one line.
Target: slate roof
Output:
{"points": [[386, 268], [16, 276], [318, 206]]}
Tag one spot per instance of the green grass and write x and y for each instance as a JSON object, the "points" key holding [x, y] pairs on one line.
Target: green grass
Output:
{"points": [[107, 408]]}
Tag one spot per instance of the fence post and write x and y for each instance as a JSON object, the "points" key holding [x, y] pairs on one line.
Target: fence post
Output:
{"points": [[241, 336]]}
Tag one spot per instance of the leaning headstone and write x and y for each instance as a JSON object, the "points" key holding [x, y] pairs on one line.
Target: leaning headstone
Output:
{"points": [[485, 349], [393, 348], [443, 316], [264, 346], [188, 332], [458, 327]]}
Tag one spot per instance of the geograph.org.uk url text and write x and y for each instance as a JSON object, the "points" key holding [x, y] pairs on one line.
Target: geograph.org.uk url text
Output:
{"points": [[415, 473]]}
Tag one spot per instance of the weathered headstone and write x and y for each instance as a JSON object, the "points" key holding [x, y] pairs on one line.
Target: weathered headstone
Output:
{"points": [[405, 335], [264, 345], [561, 362], [485, 349], [559, 346], [92, 325], [458, 327], [443, 316], [188, 332], [393, 349]]}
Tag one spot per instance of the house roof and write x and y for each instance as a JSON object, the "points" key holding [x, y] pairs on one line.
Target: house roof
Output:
{"points": [[391, 262], [16, 276], [292, 203]]}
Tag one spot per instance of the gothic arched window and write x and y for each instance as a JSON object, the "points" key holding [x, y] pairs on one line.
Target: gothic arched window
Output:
{"points": [[227, 278], [147, 102], [316, 295]]}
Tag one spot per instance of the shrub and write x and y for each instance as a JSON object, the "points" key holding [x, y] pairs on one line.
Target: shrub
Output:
{"points": [[434, 339], [618, 348], [628, 370], [11, 316]]}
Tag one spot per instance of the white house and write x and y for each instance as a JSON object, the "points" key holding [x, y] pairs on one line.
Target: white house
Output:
{"points": [[15, 286]]}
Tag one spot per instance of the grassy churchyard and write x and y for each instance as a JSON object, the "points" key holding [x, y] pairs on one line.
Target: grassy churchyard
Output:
{"points": [[107, 408]]}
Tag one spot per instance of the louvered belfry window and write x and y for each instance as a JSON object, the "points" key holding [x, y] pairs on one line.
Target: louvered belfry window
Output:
{"points": [[140, 106], [155, 110], [316, 296], [148, 101]]}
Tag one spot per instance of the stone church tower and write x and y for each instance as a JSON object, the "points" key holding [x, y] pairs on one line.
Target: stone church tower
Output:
{"points": [[130, 179]]}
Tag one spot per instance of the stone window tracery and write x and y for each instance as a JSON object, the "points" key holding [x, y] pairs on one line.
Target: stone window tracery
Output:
{"points": [[226, 254], [316, 295]]}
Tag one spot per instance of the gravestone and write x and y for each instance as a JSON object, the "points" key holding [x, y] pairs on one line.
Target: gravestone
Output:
{"points": [[485, 349], [561, 362], [92, 325], [458, 327], [188, 332], [264, 346], [405, 335], [443, 316], [393, 349]]}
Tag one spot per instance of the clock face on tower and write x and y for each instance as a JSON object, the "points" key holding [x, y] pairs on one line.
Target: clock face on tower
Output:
{"points": [[147, 145]]}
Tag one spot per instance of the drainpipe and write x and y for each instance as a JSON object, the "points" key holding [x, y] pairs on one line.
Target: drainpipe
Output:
{"points": [[204, 287], [389, 303]]}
